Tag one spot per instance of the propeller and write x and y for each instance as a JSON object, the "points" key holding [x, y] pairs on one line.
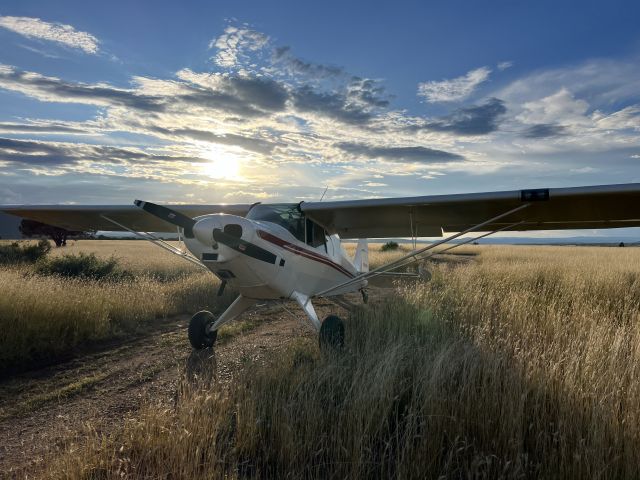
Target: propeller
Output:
{"points": [[171, 216], [243, 246]]}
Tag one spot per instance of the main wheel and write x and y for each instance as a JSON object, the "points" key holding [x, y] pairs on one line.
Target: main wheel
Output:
{"points": [[199, 336], [332, 334]]}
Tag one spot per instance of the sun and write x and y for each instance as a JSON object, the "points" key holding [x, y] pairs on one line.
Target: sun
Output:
{"points": [[222, 163]]}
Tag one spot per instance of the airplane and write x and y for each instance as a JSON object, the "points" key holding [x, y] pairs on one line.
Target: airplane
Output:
{"points": [[294, 251]]}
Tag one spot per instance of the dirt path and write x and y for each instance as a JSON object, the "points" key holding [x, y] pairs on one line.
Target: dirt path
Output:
{"points": [[42, 411]]}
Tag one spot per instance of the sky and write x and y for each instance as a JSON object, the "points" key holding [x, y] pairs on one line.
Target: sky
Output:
{"points": [[236, 102]]}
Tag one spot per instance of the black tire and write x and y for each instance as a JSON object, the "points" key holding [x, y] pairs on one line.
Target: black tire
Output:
{"points": [[198, 336], [332, 334]]}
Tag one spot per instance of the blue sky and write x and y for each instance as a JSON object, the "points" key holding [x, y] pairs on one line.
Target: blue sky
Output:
{"points": [[274, 101]]}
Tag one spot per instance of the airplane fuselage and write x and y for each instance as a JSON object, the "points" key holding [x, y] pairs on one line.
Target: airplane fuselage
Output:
{"points": [[263, 260]]}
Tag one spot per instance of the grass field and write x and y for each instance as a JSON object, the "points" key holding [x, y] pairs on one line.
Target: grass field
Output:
{"points": [[44, 317], [521, 364]]}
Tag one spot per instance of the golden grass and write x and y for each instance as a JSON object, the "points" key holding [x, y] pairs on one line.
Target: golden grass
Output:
{"points": [[523, 364], [138, 256], [44, 317]]}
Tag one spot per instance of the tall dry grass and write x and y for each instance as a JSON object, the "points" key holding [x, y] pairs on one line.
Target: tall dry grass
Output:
{"points": [[523, 364], [43, 317]]}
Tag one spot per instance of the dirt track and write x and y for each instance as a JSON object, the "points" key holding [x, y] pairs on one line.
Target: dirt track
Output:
{"points": [[42, 411]]}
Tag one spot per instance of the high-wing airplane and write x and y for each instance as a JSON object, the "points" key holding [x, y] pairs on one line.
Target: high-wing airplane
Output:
{"points": [[293, 250]]}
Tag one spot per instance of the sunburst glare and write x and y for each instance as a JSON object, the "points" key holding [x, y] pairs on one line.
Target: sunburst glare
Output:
{"points": [[222, 163]]}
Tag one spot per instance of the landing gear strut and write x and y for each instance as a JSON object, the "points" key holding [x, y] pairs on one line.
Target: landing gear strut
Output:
{"points": [[332, 334], [199, 336]]}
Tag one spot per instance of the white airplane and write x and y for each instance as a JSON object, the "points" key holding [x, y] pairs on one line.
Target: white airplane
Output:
{"points": [[294, 251]]}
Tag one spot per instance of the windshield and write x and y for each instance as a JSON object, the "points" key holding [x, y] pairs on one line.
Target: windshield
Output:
{"points": [[285, 214]]}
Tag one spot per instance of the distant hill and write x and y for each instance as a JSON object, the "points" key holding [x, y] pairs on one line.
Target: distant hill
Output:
{"points": [[9, 226]]}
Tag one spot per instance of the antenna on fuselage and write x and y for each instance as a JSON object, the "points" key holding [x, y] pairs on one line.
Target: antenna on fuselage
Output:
{"points": [[323, 193]]}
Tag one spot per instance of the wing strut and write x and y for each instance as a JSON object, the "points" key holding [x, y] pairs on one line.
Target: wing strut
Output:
{"points": [[411, 257], [431, 254], [160, 243]]}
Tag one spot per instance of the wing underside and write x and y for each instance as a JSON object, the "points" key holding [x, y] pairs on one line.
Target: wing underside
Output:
{"points": [[605, 206], [95, 217]]}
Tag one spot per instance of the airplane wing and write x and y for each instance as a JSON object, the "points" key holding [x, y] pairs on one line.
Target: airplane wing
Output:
{"points": [[602, 206], [91, 217]]}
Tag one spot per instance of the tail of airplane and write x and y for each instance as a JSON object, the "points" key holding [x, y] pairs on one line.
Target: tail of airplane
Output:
{"points": [[361, 259]]}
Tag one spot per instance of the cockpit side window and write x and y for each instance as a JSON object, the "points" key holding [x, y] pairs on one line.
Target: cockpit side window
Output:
{"points": [[286, 215], [315, 234]]}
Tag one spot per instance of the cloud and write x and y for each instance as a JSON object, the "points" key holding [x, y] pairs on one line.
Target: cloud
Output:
{"points": [[374, 184], [504, 65], [474, 120], [242, 95], [52, 89], [40, 128], [544, 130], [415, 154], [233, 44], [626, 118], [367, 92], [256, 145], [604, 82], [455, 89], [245, 96], [282, 56], [331, 104], [53, 32], [561, 107], [41, 153]]}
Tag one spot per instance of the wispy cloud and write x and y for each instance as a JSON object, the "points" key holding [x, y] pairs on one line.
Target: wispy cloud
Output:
{"points": [[233, 44], [454, 89], [283, 57], [53, 32], [53, 89], [43, 127], [504, 65]]}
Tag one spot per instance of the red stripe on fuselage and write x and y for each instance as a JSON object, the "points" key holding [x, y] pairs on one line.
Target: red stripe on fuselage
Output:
{"points": [[303, 252]]}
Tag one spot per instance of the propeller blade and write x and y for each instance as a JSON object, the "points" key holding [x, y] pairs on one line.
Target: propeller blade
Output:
{"points": [[168, 215], [243, 246]]}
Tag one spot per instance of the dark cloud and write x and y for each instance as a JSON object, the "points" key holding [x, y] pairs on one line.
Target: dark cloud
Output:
{"points": [[294, 65], [54, 89], [40, 153], [367, 92], [32, 152], [330, 104], [243, 96], [39, 128], [475, 120], [400, 154], [263, 93], [257, 145], [544, 130]]}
